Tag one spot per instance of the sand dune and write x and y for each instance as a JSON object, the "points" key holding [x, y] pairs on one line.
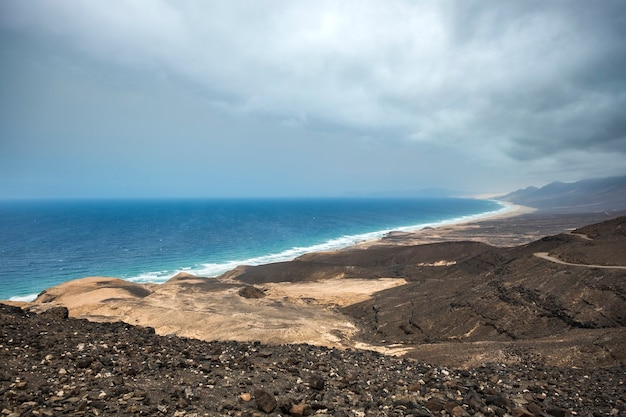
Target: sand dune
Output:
{"points": [[213, 309]]}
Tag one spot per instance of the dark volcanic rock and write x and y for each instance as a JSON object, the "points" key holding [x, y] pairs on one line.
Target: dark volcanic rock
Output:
{"points": [[316, 382], [62, 366], [600, 244], [58, 312], [264, 400], [515, 301], [251, 292]]}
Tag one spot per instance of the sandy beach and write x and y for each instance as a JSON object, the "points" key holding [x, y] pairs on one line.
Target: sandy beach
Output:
{"points": [[517, 226], [458, 230]]}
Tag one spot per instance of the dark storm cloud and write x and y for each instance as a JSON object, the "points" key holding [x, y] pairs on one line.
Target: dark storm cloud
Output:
{"points": [[528, 89], [551, 76]]}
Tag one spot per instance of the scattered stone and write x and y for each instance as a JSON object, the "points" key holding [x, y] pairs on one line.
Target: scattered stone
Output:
{"points": [[557, 412], [498, 400], [300, 410], [435, 405], [265, 353], [194, 378], [534, 409], [414, 387], [264, 400], [84, 362], [522, 412], [457, 411], [316, 382]]}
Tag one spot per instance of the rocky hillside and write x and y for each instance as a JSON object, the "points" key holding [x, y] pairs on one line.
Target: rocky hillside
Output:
{"points": [[467, 302], [54, 365]]}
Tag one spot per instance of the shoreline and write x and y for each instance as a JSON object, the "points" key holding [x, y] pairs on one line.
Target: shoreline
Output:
{"points": [[519, 227], [493, 228], [338, 243], [321, 299], [509, 210]]}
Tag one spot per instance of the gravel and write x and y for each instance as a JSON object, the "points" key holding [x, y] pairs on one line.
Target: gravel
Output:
{"points": [[53, 365]]}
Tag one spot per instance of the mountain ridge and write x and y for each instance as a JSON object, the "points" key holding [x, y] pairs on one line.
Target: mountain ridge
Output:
{"points": [[588, 195]]}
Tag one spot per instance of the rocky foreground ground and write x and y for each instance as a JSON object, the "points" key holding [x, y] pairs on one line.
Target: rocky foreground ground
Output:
{"points": [[54, 365]]}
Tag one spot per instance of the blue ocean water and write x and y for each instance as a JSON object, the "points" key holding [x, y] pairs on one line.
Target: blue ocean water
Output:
{"points": [[44, 243]]}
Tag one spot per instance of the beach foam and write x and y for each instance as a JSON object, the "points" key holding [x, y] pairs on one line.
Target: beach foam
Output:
{"points": [[24, 298]]}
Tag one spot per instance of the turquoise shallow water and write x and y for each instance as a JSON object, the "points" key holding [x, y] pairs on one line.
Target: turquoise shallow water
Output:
{"points": [[44, 243]]}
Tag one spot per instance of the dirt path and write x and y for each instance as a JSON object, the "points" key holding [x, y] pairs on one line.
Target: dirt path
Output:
{"points": [[544, 255], [580, 235]]}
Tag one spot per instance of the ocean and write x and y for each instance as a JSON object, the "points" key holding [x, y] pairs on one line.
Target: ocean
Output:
{"points": [[45, 243]]}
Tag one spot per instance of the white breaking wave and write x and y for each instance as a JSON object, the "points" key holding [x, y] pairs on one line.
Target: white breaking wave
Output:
{"points": [[215, 269], [27, 298]]}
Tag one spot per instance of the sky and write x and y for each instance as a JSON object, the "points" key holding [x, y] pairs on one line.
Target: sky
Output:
{"points": [[277, 98]]}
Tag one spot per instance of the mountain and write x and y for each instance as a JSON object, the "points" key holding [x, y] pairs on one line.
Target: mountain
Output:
{"points": [[591, 195]]}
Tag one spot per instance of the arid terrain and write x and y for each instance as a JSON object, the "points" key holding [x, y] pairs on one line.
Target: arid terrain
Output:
{"points": [[489, 318], [53, 365], [468, 302]]}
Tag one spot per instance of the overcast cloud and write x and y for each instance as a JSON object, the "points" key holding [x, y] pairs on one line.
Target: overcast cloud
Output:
{"points": [[213, 98]]}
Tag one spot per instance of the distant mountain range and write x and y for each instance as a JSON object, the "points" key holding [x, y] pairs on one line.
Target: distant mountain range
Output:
{"points": [[585, 196], [591, 195]]}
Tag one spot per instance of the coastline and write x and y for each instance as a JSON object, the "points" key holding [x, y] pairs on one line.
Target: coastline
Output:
{"points": [[108, 298], [159, 275], [447, 230], [348, 242], [365, 240], [414, 236], [519, 226], [512, 225], [316, 298]]}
